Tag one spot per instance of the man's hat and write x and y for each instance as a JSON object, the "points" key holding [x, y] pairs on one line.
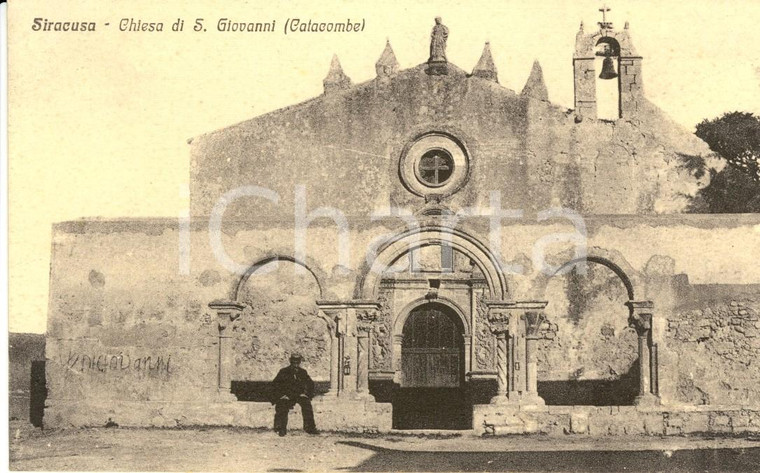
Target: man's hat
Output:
{"points": [[296, 357]]}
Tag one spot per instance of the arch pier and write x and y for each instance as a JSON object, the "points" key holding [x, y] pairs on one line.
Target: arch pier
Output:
{"points": [[517, 326], [227, 312], [350, 324], [641, 315]]}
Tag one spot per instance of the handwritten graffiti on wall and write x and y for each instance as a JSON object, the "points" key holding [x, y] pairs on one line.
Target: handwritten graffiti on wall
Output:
{"points": [[121, 362]]}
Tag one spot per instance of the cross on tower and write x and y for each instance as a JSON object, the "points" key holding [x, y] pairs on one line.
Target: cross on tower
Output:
{"points": [[438, 165], [604, 24]]}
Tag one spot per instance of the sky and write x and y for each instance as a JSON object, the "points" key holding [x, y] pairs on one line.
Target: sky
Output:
{"points": [[99, 121]]}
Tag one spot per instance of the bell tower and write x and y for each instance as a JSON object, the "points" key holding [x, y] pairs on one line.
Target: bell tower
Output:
{"points": [[620, 63]]}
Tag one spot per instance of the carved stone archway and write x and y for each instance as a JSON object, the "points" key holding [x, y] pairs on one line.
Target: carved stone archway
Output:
{"points": [[412, 239]]}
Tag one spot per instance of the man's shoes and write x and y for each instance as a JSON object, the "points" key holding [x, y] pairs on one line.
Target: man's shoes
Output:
{"points": [[312, 431], [282, 433]]}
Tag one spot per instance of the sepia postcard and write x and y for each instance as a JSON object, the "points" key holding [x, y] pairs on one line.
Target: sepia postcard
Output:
{"points": [[397, 236]]}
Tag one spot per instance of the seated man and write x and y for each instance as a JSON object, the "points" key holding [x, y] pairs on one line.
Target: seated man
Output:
{"points": [[293, 385]]}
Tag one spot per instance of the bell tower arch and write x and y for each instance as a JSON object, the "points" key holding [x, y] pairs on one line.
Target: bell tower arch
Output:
{"points": [[620, 63]]}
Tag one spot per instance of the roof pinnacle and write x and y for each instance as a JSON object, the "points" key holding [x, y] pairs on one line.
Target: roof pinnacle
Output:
{"points": [[485, 68], [535, 86], [387, 65], [336, 79]]}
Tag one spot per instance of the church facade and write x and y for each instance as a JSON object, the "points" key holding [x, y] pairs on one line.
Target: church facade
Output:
{"points": [[444, 252]]}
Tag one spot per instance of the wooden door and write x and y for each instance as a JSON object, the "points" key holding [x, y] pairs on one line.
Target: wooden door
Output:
{"points": [[431, 353]]}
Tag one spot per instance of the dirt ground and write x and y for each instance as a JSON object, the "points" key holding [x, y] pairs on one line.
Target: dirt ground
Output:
{"points": [[232, 449]]}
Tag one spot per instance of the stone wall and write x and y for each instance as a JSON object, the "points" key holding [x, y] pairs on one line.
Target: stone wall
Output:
{"points": [[490, 420], [129, 323], [281, 318], [713, 340], [590, 357], [344, 149]]}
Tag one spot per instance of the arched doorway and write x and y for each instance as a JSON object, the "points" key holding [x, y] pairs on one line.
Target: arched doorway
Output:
{"points": [[431, 394]]}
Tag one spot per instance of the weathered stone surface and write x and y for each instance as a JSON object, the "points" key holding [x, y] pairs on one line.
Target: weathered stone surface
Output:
{"points": [[712, 342], [485, 68], [157, 339], [579, 423], [132, 337], [536, 156], [603, 421], [535, 87], [336, 79], [387, 65]]}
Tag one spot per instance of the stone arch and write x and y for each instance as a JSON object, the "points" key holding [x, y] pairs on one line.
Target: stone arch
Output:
{"points": [[604, 262], [608, 258], [269, 259], [431, 234], [592, 357], [278, 318], [403, 314]]}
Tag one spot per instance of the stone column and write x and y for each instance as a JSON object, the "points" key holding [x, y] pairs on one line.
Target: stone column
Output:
{"points": [[224, 372], [516, 358], [350, 352], [331, 319], [333, 391], [340, 339], [509, 322], [398, 342], [534, 319], [364, 320], [362, 362], [467, 341], [227, 313], [641, 320], [350, 324], [502, 364], [499, 321]]}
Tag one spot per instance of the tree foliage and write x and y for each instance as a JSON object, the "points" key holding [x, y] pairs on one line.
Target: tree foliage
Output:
{"points": [[736, 137], [736, 189]]}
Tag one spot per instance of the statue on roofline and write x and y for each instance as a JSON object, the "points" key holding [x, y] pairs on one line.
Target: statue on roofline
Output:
{"points": [[438, 41]]}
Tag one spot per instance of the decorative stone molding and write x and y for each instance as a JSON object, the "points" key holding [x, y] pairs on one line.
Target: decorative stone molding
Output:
{"points": [[641, 315], [365, 319], [227, 311], [434, 166], [382, 341], [350, 351], [511, 321], [503, 315], [484, 341], [535, 323], [499, 320]]}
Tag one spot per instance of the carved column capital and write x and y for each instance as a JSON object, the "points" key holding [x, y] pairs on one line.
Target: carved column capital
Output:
{"points": [[640, 317], [534, 323], [505, 315], [365, 319], [350, 316], [500, 320], [227, 311], [331, 318]]}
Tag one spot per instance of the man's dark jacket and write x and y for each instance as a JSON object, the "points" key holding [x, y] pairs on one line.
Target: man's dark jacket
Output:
{"points": [[292, 381]]}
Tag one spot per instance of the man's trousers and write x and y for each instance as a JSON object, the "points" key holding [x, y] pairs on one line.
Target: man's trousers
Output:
{"points": [[283, 406]]}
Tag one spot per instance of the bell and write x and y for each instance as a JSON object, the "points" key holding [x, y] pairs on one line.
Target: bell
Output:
{"points": [[608, 69]]}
